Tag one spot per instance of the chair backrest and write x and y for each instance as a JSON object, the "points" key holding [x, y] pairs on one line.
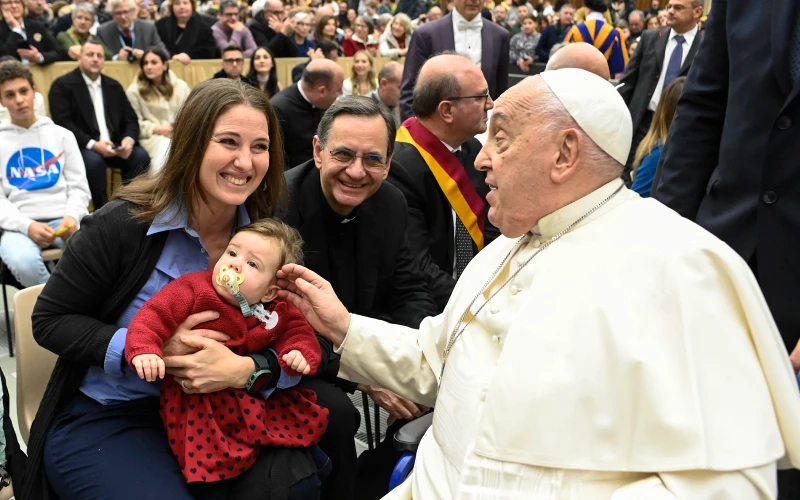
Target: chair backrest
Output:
{"points": [[34, 363]]}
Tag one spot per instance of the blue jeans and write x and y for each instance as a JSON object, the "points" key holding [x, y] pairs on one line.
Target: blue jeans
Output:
{"points": [[24, 257]]}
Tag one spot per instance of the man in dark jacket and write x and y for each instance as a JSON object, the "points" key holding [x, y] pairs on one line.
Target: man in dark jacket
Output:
{"points": [[271, 29], [354, 229], [300, 107], [554, 33]]}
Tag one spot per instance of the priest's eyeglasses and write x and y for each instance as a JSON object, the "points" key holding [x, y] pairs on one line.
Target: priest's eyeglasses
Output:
{"points": [[484, 96], [370, 162]]}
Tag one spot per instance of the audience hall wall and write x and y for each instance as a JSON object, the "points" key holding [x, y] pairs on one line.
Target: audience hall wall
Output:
{"points": [[195, 72]]}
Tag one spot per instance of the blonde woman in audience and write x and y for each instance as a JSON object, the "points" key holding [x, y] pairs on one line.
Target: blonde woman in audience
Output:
{"points": [[363, 80], [649, 151], [395, 40], [83, 18], [156, 95]]}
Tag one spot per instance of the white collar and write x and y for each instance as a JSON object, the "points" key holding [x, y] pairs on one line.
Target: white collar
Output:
{"points": [[449, 147], [302, 93], [458, 18], [552, 224], [597, 16], [689, 35], [89, 82]]}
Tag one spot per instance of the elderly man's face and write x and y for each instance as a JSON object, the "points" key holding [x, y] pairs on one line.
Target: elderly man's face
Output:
{"points": [[353, 163], [636, 23], [517, 159], [500, 14], [435, 14], [124, 14]]}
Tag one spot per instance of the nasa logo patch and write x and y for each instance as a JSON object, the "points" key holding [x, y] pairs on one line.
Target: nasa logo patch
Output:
{"points": [[32, 169]]}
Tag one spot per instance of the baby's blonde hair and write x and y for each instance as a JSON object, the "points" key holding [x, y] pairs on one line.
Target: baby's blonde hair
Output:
{"points": [[291, 243]]}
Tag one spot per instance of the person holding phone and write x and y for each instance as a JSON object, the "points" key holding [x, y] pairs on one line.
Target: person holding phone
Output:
{"points": [[26, 39], [126, 36]]}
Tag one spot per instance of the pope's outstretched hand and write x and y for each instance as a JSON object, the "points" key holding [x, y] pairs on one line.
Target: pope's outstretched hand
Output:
{"points": [[316, 300]]}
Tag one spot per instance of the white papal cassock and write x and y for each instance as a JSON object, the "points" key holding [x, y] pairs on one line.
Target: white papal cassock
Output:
{"points": [[634, 358]]}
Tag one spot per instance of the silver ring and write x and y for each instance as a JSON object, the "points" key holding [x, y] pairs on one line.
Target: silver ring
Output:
{"points": [[183, 384]]}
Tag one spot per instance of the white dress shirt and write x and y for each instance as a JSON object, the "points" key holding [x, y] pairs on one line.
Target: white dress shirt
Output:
{"points": [[468, 41], [688, 38], [96, 93]]}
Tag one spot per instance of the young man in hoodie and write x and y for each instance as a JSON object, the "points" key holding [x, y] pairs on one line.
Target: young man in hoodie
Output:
{"points": [[43, 188]]}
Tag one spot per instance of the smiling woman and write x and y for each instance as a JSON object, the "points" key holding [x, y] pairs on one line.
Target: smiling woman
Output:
{"points": [[216, 178]]}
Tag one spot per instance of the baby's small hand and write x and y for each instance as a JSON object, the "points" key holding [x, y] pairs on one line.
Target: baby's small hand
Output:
{"points": [[297, 362], [149, 367]]}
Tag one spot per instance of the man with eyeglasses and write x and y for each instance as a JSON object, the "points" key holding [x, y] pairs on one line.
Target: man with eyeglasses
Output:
{"points": [[233, 65], [436, 149], [229, 30], [354, 229], [126, 36], [300, 107], [271, 29]]}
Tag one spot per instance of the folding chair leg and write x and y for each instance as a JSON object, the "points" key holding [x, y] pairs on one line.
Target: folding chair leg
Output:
{"points": [[5, 308], [377, 425], [365, 404]]}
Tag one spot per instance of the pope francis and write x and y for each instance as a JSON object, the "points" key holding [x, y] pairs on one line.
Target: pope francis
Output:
{"points": [[603, 348]]}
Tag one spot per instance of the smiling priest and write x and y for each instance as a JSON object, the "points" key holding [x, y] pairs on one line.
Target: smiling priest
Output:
{"points": [[603, 348]]}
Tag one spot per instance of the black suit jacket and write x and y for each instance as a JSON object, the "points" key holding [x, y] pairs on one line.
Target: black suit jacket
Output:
{"points": [[197, 41], [278, 43], [299, 120], [731, 159], [433, 38], [644, 69], [71, 107], [390, 285], [430, 217], [46, 43]]}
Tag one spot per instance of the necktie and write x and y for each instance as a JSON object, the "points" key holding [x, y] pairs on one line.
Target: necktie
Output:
{"points": [[794, 51], [127, 34], [675, 61], [464, 252]]}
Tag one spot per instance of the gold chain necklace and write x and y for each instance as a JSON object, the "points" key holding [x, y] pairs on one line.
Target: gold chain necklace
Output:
{"points": [[458, 330]]}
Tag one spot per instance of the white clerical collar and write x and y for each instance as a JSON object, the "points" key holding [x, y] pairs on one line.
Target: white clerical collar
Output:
{"points": [[551, 225], [597, 16], [477, 21], [689, 35], [302, 93]]}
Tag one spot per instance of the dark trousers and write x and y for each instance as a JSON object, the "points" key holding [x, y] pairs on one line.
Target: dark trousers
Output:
{"points": [[339, 439], [638, 135], [375, 466], [96, 166], [96, 452]]}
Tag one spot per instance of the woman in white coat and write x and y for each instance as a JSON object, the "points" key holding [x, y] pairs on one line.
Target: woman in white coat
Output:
{"points": [[156, 95], [395, 40]]}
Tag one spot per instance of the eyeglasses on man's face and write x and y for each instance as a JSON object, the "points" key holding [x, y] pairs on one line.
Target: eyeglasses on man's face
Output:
{"points": [[233, 60], [118, 13], [370, 162], [484, 96], [230, 14], [10, 3]]}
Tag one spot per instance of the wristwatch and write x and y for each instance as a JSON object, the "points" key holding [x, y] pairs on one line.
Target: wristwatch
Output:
{"points": [[261, 378]]}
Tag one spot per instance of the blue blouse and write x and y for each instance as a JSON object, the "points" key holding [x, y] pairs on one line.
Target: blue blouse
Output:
{"points": [[647, 172], [183, 253]]}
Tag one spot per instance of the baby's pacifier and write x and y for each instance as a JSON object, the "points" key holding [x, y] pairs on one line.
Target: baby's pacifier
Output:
{"points": [[230, 279]]}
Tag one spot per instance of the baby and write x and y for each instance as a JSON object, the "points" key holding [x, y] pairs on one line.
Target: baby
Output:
{"points": [[217, 436]]}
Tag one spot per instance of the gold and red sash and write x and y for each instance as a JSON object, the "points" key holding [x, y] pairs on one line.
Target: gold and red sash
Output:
{"points": [[450, 175]]}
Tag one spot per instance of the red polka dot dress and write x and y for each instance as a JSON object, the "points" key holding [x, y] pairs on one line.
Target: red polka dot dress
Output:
{"points": [[217, 436]]}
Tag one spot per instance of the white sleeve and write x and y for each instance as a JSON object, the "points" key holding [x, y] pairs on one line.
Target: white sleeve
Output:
{"points": [[378, 353], [78, 194], [758, 483], [11, 219], [38, 105]]}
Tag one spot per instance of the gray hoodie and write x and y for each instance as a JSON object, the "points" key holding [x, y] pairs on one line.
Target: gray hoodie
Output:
{"points": [[42, 175]]}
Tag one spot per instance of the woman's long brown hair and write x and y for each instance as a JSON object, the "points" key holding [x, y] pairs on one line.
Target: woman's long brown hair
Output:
{"points": [[662, 120], [179, 180]]}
